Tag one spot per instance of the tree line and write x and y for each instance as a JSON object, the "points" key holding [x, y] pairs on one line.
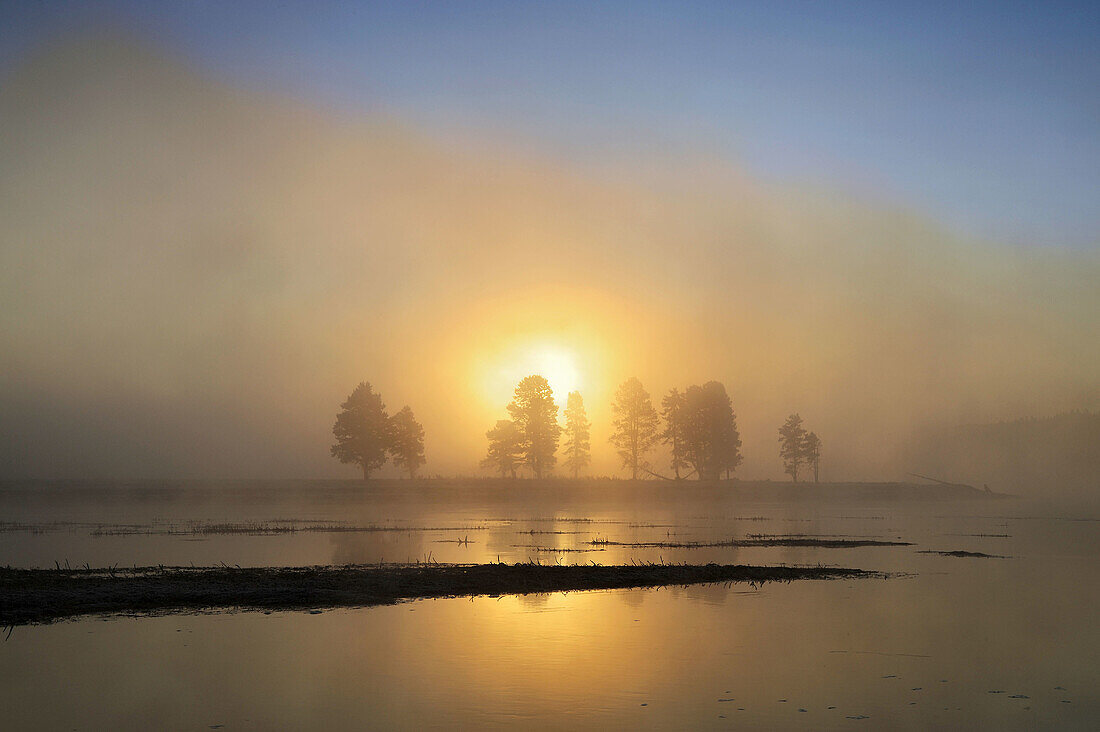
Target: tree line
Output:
{"points": [[797, 447], [697, 425], [368, 437]]}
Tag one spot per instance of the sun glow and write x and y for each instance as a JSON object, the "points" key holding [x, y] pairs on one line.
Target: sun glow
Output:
{"points": [[557, 363], [575, 339]]}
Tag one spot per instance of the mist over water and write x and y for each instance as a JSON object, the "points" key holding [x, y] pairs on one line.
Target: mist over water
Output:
{"points": [[194, 276], [942, 642]]}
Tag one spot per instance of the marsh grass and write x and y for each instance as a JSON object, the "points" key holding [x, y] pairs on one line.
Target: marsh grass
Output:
{"points": [[755, 540], [961, 553], [559, 550], [260, 528], [46, 595], [536, 532]]}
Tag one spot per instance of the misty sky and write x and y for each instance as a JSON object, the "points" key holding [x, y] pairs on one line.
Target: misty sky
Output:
{"points": [[217, 218], [984, 115]]}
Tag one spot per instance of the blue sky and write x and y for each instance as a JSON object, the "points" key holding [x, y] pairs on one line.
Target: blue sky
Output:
{"points": [[985, 116]]}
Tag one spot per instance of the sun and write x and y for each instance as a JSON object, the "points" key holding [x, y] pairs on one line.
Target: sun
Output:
{"points": [[555, 362], [559, 367]]}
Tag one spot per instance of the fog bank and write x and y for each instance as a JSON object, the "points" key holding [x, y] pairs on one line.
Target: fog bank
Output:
{"points": [[193, 276]]}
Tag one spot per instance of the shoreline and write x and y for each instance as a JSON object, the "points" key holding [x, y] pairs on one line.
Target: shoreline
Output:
{"points": [[432, 489], [33, 596]]}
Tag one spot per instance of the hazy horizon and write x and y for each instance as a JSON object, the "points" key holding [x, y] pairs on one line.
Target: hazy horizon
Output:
{"points": [[197, 274]]}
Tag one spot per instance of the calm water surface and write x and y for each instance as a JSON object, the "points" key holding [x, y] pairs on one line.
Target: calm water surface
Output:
{"points": [[949, 642]]}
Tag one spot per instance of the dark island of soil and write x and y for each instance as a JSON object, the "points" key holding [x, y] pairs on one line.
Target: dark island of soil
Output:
{"points": [[755, 541], [46, 595]]}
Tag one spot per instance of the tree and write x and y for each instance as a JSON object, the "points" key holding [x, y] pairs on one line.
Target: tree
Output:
{"points": [[792, 445], [505, 448], [712, 443], [577, 438], [362, 430], [672, 409], [635, 422], [406, 441], [812, 453], [536, 417]]}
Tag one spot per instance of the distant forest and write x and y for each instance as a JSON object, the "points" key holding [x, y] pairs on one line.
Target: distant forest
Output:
{"points": [[698, 428], [1061, 451], [698, 425]]}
